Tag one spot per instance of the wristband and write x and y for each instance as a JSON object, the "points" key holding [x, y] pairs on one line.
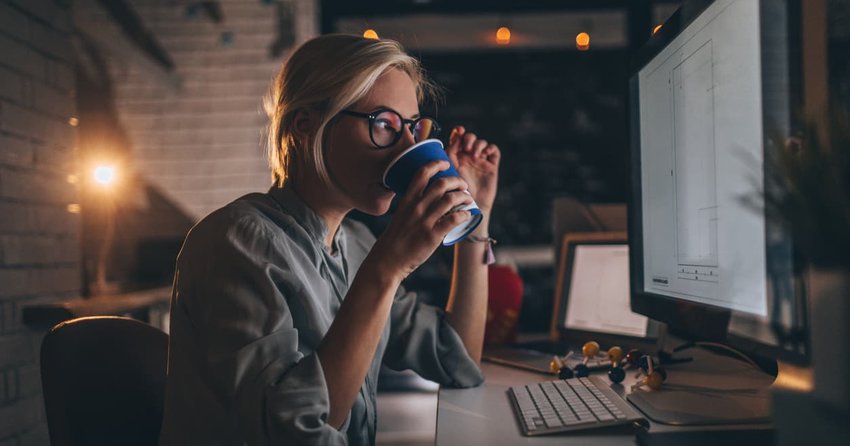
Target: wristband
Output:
{"points": [[489, 257]]}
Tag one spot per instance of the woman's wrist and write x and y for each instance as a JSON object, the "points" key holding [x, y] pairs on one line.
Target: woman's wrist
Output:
{"points": [[382, 270]]}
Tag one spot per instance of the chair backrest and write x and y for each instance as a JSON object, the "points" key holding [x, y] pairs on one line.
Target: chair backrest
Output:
{"points": [[104, 381]]}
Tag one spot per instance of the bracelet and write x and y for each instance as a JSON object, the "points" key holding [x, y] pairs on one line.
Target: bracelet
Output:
{"points": [[473, 238], [489, 257]]}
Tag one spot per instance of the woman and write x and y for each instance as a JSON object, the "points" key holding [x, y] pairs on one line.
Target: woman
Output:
{"points": [[283, 310]]}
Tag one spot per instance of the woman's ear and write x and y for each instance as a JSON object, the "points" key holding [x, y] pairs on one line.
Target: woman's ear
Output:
{"points": [[305, 123]]}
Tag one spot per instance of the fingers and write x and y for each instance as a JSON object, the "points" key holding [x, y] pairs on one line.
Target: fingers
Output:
{"points": [[492, 153], [420, 181], [449, 221], [454, 143], [444, 205], [454, 137]]}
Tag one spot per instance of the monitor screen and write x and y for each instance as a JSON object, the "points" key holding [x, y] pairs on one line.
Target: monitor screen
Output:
{"points": [[598, 297], [701, 135], [704, 95]]}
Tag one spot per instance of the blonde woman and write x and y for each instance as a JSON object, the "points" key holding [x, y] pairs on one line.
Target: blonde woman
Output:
{"points": [[283, 310]]}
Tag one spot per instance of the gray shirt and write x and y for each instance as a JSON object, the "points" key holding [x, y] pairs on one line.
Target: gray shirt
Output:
{"points": [[255, 291]]}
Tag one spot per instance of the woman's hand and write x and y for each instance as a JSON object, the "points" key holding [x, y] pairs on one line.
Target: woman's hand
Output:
{"points": [[477, 160], [421, 221]]}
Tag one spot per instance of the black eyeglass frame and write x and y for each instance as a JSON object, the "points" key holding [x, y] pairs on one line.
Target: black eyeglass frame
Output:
{"points": [[409, 123]]}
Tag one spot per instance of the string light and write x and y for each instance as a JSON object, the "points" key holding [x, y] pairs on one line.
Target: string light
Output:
{"points": [[656, 29], [503, 35], [583, 41]]}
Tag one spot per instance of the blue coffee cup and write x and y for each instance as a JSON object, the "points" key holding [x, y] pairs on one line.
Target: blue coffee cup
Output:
{"points": [[403, 168]]}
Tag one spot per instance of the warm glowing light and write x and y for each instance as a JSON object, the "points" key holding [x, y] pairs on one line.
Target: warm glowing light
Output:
{"points": [[583, 41], [503, 35], [74, 208], [370, 34], [656, 29], [73, 122], [104, 174], [72, 178]]}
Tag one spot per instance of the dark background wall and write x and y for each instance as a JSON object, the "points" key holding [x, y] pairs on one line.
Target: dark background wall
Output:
{"points": [[39, 222]]}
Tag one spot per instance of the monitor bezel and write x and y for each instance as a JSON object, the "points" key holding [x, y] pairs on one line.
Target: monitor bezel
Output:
{"points": [[668, 309]]}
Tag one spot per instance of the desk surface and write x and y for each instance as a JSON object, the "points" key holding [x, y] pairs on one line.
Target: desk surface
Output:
{"points": [[483, 415]]}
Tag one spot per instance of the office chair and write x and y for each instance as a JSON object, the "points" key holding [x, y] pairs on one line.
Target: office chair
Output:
{"points": [[104, 381]]}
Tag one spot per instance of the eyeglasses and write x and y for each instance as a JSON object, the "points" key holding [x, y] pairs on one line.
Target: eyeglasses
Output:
{"points": [[386, 126]]}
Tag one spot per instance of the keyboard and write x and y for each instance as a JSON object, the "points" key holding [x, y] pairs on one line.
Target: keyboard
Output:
{"points": [[569, 405]]}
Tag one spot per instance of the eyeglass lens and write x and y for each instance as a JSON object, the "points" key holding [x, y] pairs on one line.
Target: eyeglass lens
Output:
{"points": [[388, 125]]}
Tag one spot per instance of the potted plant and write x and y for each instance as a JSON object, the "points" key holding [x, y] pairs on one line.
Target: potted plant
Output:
{"points": [[808, 189]]}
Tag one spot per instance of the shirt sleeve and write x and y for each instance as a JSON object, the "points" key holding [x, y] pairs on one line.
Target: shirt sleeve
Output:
{"points": [[422, 340], [233, 290]]}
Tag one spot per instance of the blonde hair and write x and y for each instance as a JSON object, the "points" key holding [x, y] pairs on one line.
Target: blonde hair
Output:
{"points": [[326, 75]]}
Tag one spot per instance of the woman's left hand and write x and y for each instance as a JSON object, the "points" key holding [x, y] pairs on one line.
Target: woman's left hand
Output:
{"points": [[477, 161]]}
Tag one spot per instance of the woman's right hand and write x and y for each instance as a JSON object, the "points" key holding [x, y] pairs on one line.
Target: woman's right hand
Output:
{"points": [[421, 221]]}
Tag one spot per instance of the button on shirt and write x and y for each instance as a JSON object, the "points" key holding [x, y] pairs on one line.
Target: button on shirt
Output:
{"points": [[254, 293]]}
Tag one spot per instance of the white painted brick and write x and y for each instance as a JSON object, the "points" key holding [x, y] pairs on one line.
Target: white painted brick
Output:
{"points": [[201, 122], [191, 151], [29, 380], [203, 166], [11, 85], [21, 250], [234, 137], [25, 122], [37, 436], [11, 319], [61, 279], [56, 158], [38, 281], [47, 40], [60, 74], [15, 350], [31, 219], [13, 22], [51, 100], [44, 10], [16, 217], [55, 220], [16, 151], [13, 282], [204, 142], [16, 55], [21, 415], [35, 187]]}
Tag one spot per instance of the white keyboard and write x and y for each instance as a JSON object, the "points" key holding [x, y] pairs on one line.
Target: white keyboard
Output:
{"points": [[569, 405]]}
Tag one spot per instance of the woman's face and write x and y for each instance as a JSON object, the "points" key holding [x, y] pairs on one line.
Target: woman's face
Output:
{"points": [[355, 164]]}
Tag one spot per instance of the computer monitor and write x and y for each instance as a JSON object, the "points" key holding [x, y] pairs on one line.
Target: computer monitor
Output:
{"points": [[592, 291], [708, 93]]}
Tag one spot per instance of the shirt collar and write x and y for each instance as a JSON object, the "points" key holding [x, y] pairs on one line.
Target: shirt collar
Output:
{"points": [[292, 204]]}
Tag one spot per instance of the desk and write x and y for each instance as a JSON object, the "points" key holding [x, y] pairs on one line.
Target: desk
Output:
{"points": [[483, 415]]}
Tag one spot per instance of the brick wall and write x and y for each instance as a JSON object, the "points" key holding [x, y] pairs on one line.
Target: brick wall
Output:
{"points": [[39, 236], [197, 134]]}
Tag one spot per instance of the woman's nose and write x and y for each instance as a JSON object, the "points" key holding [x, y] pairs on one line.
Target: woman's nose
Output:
{"points": [[407, 138]]}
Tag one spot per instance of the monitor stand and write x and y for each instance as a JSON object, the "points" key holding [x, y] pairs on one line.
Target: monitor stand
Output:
{"points": [[711, 389]]}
